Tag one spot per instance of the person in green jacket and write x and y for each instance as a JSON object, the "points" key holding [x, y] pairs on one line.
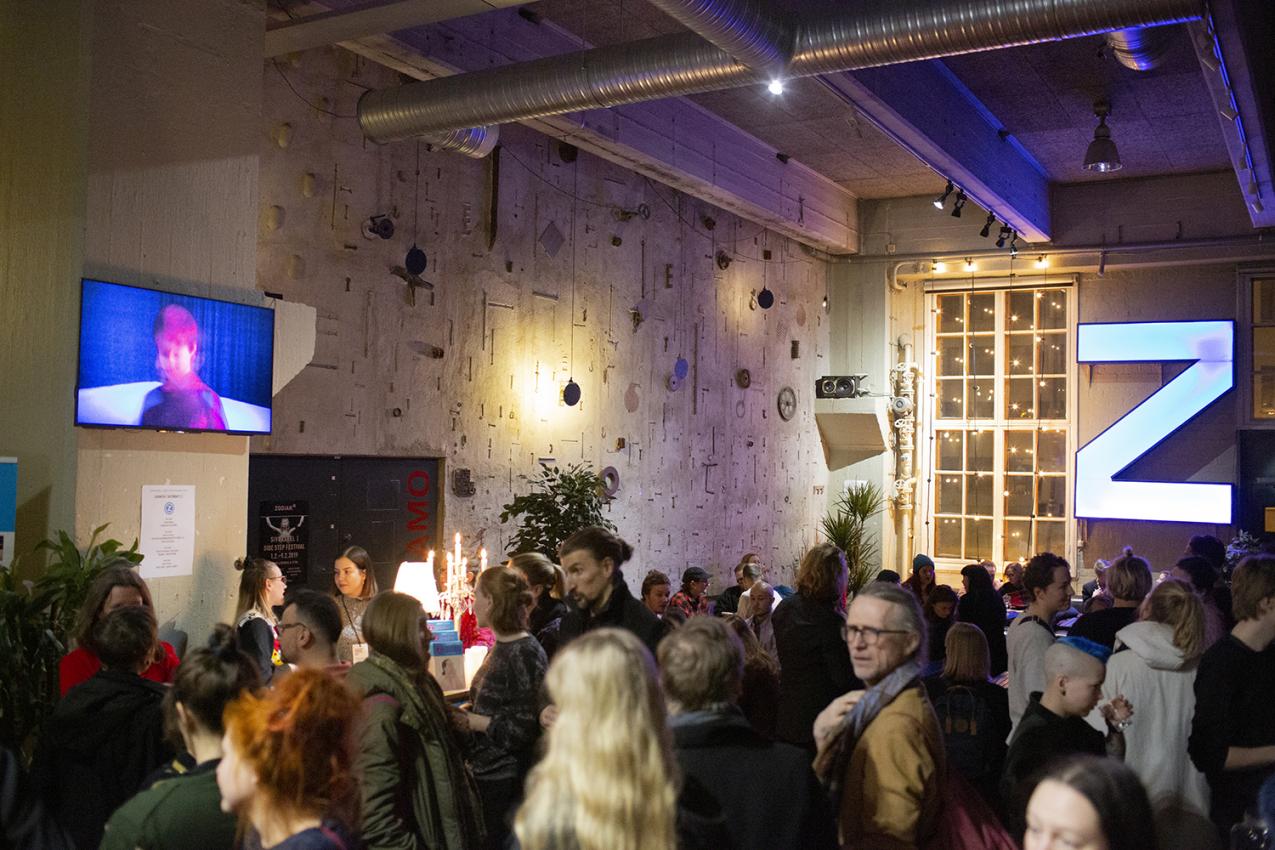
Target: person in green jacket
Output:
{"points": [[417, 791], [184, 811]]}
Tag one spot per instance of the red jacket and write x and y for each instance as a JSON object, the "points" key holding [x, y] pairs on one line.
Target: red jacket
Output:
{"points": [[80, 665]]}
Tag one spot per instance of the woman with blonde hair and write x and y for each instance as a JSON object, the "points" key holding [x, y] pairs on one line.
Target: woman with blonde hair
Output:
{"points": [[1157, 675], [417, 791], [261, 589], [1128, 583], [608, 779], [286, 768]]}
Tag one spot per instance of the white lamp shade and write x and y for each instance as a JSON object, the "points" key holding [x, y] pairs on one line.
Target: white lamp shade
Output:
{"points": [[416, 578]]}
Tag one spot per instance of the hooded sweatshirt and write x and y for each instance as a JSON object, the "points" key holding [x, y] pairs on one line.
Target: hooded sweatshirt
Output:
{"points": [[1159, 682]]}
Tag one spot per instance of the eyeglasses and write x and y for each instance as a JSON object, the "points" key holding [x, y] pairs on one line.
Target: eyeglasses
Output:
{"points": [[283, 627], [870, 635], [283, 579]]}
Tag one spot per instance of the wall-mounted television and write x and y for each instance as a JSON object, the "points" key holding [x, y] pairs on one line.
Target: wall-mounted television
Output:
{"points": [[169, 362]]}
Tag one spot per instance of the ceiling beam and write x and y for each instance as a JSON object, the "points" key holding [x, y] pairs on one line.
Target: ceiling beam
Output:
{"points": [[928, 111], [1240, 74], [381, 16], [673, 141]]}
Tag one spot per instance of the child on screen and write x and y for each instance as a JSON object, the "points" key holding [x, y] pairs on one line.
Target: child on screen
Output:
{"points": [[183, 400]]}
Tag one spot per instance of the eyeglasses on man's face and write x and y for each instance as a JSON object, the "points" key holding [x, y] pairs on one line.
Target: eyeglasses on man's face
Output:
{"points": [[870, 636]]}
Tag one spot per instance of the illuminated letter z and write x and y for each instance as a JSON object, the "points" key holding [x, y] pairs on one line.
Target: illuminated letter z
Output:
{"points": [[1210, 347]]}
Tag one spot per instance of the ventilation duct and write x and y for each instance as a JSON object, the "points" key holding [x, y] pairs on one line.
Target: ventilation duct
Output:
{"points": [[1141, 48], [474, 142], [873, 33], [743, 29]]}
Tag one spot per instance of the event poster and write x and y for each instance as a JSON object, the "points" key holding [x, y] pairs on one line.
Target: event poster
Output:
{"points": [[8, 508], [168, 530], [284, 536]]}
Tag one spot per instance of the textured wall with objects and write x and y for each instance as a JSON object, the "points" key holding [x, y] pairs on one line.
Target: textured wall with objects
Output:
{"points": [[568, 267]]}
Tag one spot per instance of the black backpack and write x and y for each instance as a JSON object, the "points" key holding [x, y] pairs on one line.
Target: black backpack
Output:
{"points": [[968, 731]]}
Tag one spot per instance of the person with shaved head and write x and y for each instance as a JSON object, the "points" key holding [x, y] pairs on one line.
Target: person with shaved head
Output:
{"points": [[1054, 723]]}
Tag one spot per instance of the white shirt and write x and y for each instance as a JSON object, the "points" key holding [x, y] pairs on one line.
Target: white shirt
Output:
{"points": [[1027, 643]]}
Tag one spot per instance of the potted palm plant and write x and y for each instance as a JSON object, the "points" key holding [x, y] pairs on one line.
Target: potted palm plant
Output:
{"points": [[846, 527]]}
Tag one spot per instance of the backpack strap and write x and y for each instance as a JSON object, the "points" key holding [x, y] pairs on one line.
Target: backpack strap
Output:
{"points": [[1032, 618]]}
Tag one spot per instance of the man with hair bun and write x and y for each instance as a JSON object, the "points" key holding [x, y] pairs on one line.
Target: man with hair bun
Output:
{"points": [[701, 665], [591, 559]]}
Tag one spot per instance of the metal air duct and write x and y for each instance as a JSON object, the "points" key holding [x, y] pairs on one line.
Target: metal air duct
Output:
{"points": [[872, 33], [746, 30], [1140, 48], [474, 142]]}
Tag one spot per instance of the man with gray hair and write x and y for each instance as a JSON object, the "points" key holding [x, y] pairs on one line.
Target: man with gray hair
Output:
{"points": [[880, 751], [755, 607], [701, 665]]}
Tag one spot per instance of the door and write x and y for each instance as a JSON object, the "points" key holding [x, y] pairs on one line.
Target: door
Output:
{"points": [[389, 506]]}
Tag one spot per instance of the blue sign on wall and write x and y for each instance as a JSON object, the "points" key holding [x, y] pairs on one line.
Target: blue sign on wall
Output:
{"points": [[1209, 346], [8, 507]]}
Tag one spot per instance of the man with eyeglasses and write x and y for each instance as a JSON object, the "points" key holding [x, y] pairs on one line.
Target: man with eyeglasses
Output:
{"points": [[309, 630], [880, 751]]}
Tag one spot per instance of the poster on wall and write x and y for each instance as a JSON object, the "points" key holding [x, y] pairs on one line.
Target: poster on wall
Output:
{"points": [[8, 508], [168, 530], [285, 537]]}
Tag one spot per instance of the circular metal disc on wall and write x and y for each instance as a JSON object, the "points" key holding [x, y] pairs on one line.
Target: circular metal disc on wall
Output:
{"points": [[787, 403], [743, 378], [610, 481]]}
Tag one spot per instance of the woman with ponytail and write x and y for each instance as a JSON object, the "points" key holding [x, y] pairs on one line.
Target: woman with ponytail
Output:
{"points": [[287, 770], [1128, 583], [184, 811], [1156, 673], [417, 791], [548, 587], [261, 589]]}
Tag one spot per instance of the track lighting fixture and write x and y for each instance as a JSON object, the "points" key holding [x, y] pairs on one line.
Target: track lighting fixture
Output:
{"points": [[987, 225], [1013, 244], [959, 205], [1003, 236], [942, 199], [1102, 155]]}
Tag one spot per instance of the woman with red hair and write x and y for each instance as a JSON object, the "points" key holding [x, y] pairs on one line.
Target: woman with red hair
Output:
{"points": [[287, 769]]}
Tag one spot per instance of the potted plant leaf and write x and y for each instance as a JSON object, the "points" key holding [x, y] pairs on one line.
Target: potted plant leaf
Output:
{"points": [[846, 527], [561, 502]]}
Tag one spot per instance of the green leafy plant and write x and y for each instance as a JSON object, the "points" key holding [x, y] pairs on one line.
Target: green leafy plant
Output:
{"points": [[561, 503], [846, 527], [36, 622]]}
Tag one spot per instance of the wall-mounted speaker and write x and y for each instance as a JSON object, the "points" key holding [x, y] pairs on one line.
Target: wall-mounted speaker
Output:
{"points": [[840, 386]]}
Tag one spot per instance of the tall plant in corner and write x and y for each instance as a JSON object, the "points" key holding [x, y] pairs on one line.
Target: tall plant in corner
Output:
{"points": [[561, 502], [36, 622], [846, 527]]}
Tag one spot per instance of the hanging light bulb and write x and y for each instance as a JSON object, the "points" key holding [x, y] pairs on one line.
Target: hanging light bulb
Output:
{"points": [[1102, 155], [1042, 262], [938, 266], [970, 265], [775, 86]]}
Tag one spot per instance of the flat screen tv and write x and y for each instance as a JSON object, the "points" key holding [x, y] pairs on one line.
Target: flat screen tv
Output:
{"points": [[169, 362]]}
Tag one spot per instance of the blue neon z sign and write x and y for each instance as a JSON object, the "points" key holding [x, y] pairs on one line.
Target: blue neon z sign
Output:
{"points": [[1210, 346]]}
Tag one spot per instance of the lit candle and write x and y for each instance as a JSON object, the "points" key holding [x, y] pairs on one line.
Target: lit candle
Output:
{"points": [[482, 559], [458, 547]]}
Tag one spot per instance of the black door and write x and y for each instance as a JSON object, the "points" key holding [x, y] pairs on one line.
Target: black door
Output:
{"points": [[389, 506]]}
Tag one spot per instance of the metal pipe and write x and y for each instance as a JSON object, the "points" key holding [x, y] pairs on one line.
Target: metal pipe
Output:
{"points": [[1140, 48], [872, 33], [475, 142], [747, 30]]}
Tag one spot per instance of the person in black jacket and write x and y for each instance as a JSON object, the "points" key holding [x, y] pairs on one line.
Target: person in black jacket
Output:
{"points": [[814, 662], [1128, 582], [1233, 732], [701, 665], [591, 559], [982, 606], [24, 821], [107, 734]]}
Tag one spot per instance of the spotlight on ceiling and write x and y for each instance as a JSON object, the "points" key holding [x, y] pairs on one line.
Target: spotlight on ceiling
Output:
{"points": [[970, 265], [775, 87], [1003, 236], [1042, 262], [959, 205], [938, 266], [1102, 155], [1013, 244], [987, 225], [942, 199]]}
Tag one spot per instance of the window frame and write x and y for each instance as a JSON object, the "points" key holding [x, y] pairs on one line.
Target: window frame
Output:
{"points": [[1245, 326], [999, 424]]}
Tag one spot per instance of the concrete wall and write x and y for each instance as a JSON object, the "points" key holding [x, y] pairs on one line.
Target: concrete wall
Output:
{"points": [[708, 472], [42, 153], [175, 105]]}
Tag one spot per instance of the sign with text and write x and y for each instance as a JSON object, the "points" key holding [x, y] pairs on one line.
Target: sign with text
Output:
{"points": [[168, 530], [1209, 348], [8, 508], [285, 537]]}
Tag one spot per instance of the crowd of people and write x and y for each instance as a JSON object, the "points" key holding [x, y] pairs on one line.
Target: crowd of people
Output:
{"points": [[905, 714]]}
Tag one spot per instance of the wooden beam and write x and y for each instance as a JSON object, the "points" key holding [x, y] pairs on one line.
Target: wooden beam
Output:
{"points": [[928, 111], [674, 141], [374, 18]]}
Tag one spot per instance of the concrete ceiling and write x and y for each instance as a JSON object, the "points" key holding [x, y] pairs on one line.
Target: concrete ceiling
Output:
{"points": [[1163, 121]]}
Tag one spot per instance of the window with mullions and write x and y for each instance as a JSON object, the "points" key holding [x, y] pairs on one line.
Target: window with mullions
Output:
{"points": [[1000, 436]]}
